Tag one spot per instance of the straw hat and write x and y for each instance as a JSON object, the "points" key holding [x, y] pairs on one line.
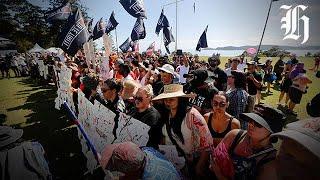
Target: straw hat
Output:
{"points": [[171, 91]]}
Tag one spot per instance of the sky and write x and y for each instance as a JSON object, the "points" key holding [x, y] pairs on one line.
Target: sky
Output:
{"points": [[231, 22]]}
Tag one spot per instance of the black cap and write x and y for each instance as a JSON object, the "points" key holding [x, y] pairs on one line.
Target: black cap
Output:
{"points": [[270, 118]]}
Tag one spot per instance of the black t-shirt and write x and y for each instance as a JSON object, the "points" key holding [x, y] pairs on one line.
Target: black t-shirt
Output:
{"points": [[204, 92], [252, 88], [220, 78], [151, 117]]}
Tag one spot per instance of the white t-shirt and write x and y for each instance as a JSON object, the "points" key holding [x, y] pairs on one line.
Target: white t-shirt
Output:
{"points": [[182, 69], [228, 71], [242, 66]]}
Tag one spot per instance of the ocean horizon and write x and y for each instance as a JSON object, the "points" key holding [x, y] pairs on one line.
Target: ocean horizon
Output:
{"points": [[230, 53]]}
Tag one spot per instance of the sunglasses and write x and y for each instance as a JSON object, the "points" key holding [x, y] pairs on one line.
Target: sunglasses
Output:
{"points": [[136, 98], [220, 104], [255, 124]]}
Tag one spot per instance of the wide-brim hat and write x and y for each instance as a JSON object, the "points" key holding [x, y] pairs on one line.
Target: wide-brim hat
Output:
{"points": [[9, 135], [305, 132], [171, 91]]}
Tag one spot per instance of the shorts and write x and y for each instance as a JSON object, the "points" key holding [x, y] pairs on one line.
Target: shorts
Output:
{"points": [[295, 95], [285, 85]]}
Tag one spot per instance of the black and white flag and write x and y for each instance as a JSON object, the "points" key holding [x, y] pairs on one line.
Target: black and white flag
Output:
{"points": [[74, 34], [134, 7], [61, 13], [99, 29], [162, 22], [112, 23], [202, 43], [126, 45], [167, 38], [138, 31]]}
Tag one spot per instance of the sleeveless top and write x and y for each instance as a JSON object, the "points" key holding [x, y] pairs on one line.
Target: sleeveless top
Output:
{"points": [[215, 134]]}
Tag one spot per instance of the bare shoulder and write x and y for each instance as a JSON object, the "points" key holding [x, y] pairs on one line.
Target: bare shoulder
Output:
{"points": [[206, 116], [235, 124], [228, 139]]}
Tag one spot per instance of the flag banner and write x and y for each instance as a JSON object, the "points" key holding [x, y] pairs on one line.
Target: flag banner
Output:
{"points": [[98, 30], [202, 43], [134, 7], [162, 22], [167, 38], [74, 34], [61, 13], [135, 46], [152, 46], [112, 23], [126, 45], [89, 25], [138, 31]]}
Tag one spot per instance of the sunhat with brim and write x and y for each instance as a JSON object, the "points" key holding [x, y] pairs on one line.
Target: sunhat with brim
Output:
{"points": [[305, 132], [125, 157], [171, 91], [270, 118], [167, 68], [9, 135]]}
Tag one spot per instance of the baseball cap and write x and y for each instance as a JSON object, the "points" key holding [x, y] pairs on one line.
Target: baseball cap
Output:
{"points": [[270, 118]]}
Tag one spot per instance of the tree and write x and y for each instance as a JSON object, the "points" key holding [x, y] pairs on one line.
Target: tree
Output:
{"points": [[25, 23]]}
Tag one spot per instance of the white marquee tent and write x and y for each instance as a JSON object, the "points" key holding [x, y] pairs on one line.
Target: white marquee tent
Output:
{"points": [[36, 49]]}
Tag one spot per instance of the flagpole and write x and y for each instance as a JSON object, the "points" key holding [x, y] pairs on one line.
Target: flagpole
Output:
{"points": [[116, 39], [176, 25], [265, 25]]}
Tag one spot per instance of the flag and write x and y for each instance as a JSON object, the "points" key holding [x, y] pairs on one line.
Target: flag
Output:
{"points": [[138, 31], [89, 25], [151, 48], [61, 13], [194, 7], [134, 7], [162, 22], [202, 43], [126, 45], [99, 29], [112, 23], [134, 46], [74, 34], [167, 38]]}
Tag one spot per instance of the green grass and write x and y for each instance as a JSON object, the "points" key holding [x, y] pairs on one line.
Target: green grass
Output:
{"points": [[272, 100], [30, 105]]}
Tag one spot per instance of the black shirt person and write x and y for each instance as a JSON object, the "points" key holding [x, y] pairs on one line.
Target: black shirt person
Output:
{"points": [[217, 73], [147, 114], [253, 79]]}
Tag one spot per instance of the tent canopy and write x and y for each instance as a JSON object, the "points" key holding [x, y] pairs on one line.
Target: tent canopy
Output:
{"points": [[36, 48], [55, 50]]}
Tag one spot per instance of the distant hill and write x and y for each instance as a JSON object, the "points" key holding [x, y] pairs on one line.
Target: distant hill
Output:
{"points": [[267, 47]]}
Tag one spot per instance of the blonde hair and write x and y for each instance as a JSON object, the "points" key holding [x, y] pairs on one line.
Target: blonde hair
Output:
{"points": [[149, 90]]}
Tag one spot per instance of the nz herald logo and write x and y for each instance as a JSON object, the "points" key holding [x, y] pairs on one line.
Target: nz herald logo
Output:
{"points": [[292, 23]]}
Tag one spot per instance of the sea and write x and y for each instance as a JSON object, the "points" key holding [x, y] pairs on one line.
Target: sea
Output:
{"points": [[230, 53]]}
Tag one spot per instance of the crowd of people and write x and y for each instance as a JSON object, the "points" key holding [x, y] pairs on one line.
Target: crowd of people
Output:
{"points": [[215, 117]]}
